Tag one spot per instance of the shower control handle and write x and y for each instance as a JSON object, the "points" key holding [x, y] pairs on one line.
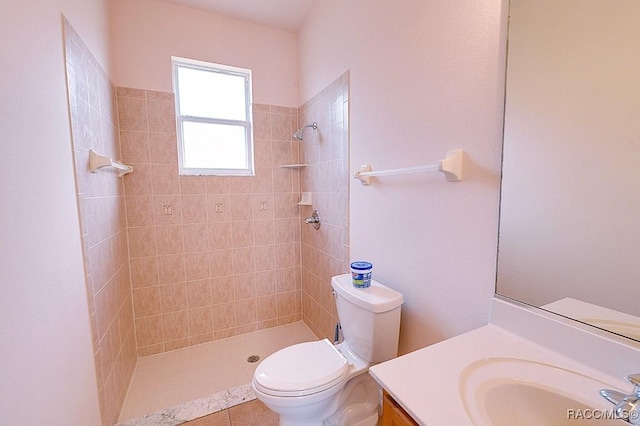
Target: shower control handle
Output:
{"points": [[313, 220]]}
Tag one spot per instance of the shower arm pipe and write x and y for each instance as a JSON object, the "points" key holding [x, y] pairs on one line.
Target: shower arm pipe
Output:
{"points": [[451, 166], [299, 134], [97, 161]]}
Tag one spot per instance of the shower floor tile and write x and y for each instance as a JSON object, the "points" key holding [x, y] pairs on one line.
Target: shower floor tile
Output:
{"points": [[172, 378]]}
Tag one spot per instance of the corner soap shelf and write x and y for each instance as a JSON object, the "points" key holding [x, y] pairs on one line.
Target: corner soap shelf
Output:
{"points": [[305, 199], [97, 162]]}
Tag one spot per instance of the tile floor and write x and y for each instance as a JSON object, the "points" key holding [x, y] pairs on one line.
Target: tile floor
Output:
{"points": [[252, 413], [171, 378]]}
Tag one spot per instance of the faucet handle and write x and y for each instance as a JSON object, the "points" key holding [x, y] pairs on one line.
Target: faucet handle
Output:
{"points": [[612, 396], [635, 381]]}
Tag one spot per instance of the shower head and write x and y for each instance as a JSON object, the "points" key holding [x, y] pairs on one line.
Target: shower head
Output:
{"points": [[299, 134]]}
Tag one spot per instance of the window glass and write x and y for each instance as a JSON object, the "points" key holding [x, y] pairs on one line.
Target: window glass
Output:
{"points": [[216, 146], [213, 113], [211, 94]]}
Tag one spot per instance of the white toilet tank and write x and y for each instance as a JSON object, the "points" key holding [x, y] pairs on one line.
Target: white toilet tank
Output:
{"points": [[369, 317]]}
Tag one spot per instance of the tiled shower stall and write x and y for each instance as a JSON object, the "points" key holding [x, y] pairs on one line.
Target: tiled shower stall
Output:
{"points": [[173, 261], [215, 256]]}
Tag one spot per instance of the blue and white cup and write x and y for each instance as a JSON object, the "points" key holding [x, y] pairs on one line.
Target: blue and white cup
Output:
{"points": [[361, 274]]}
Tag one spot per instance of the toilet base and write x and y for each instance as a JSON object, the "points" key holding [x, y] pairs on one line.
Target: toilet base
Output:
{"points": [[355, 405], [358, 403]]}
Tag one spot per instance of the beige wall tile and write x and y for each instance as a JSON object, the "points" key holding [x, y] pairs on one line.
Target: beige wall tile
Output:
{"points": [[103, 217], [176, 344], [165, 179], [203, 244], [196, 237], [142, 241], [163, 148], [244, 286], [222, 290], [224, 316], [169, 239], [246, 311], [139, 210], [266, 283], [192, 185], [173, 297], [146, 301], [149, 331], [197, 266], [135, 147], [175, 326], [265, 258], [132, 113], [201, 338], [161, 117], [324, 253], [199, 294], [264, 232], [201, 321], [221, 263], [144, 272], [194, 208], [171, 269]]}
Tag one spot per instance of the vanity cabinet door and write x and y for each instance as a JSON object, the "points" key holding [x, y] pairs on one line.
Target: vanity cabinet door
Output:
{"points": [[393, 414]]}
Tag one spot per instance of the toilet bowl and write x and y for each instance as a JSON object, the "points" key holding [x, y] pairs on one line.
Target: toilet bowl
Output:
{"points": [[306, 382], [317, 383]]}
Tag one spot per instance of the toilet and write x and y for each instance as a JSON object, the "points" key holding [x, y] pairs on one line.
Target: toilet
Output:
{"points": [[318, 383]]}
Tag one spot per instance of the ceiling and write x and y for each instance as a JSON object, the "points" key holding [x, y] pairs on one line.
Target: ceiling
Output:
{"points": [[287, 15]]}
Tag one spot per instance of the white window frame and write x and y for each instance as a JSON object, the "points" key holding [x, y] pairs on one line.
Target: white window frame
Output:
{"points": [[177, 63]]}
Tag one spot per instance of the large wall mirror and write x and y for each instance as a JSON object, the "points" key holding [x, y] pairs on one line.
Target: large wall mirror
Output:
{"points": [[570, 207]]}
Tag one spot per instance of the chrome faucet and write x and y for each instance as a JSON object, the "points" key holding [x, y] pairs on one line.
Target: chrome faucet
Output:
{"points": [[313, 220], [627, 406]]}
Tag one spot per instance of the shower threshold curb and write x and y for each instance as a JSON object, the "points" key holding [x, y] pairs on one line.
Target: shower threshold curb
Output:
{"points": [[197, 408]]}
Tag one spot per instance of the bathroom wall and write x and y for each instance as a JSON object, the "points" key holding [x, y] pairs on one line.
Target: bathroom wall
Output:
{"points": [[146, 33], [187, 288], [211, 256], [426, 77], [325, 252], [92, 103], [47, 372]]}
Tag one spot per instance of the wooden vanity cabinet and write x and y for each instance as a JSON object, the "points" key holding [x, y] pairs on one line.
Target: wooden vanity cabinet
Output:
{"points": [[393, 414]]}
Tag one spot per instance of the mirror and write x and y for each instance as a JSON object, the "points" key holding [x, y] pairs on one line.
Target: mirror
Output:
{"points": [[569, 237]]}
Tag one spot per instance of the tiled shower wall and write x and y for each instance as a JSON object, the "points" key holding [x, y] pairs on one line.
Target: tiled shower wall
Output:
{"points": [[325, 252], [211, 256], [101, 205]]}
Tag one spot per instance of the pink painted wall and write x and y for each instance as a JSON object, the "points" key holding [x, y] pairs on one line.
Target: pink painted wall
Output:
{"points": [[47, 373], [425, 78], [146, 33]]}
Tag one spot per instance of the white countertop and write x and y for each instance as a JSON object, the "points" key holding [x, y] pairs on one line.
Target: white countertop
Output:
{"points": [[426, 382]]}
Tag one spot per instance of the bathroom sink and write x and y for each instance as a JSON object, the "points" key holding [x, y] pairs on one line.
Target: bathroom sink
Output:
{"points": [[512, 391]]}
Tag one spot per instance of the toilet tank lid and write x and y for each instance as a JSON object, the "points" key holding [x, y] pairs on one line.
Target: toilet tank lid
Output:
{"points": [[377, 299]]}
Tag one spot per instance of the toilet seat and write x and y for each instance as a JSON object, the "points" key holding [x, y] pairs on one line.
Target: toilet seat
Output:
{"points": [[301, 369]]}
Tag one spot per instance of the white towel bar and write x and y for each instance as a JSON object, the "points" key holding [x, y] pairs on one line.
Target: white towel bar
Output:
{"points": [[451, 166]]}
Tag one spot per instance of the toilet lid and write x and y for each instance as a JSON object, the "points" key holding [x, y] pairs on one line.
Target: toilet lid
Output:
{"points": [[302, 367]]}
